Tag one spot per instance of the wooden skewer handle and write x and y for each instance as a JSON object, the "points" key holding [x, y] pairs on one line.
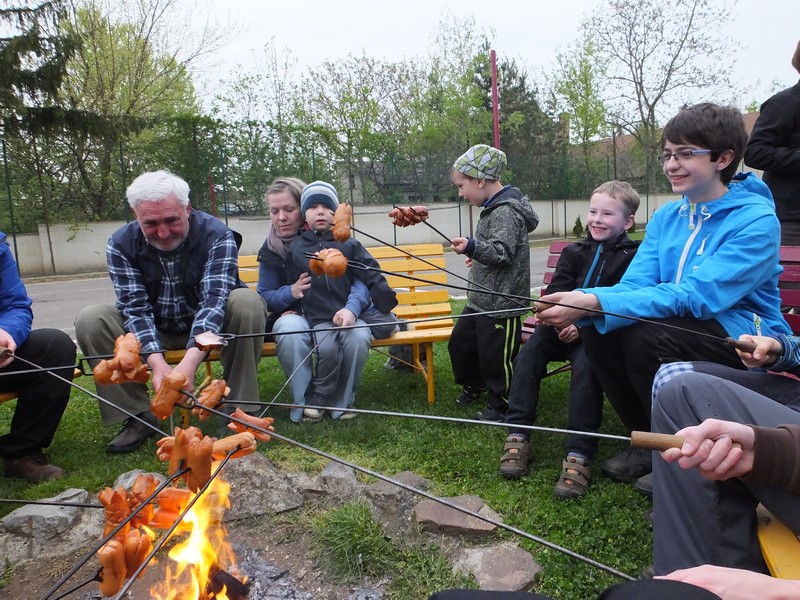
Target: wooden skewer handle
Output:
{"points": [[655, 441], [739, 345]]}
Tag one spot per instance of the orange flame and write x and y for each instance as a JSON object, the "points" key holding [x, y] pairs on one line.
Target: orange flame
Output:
{"points": [[205, 550]]}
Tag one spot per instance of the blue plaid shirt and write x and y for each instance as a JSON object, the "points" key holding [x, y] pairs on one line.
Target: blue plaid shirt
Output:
{"points": [[172, 310]]}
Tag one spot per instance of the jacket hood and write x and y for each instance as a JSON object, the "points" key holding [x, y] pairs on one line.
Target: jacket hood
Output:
{"points": [[621, 241], [519, 202], [745, 189]]}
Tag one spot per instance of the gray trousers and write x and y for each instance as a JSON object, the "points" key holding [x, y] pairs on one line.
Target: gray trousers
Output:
{"points": [[697, 521], [98, 326]]}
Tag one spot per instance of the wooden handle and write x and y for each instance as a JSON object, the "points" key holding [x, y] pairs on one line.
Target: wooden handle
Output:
{"points": [[655, 441], [739, 345]]}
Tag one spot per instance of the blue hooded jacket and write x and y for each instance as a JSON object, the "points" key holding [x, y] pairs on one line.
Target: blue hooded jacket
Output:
{"points": [[712, 260], [16, 316]]}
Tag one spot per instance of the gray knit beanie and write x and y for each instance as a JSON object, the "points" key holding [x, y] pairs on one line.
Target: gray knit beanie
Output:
{"points": [[319, 192]]}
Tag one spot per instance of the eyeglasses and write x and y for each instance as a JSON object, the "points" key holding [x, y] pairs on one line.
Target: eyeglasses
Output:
{"points": [[681, 155]]}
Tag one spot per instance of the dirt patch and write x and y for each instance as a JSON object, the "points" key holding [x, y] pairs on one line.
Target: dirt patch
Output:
{"points": [[286, 547]]}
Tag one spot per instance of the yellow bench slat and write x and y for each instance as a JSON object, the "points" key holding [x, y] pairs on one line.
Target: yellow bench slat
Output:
{"points": [[780, 547]]}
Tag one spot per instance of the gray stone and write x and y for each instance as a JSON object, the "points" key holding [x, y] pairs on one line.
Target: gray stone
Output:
{"points": [[337, 480], [434, 517], [258, 487], [393, 505], [126, 479], [36, 531], [505, 567]]}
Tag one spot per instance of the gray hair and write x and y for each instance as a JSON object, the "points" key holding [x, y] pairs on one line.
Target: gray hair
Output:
{"points": [[155, 186]]}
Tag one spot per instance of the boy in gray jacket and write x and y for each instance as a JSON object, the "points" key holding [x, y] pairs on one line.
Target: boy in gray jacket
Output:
{"points": [[482, 347]]}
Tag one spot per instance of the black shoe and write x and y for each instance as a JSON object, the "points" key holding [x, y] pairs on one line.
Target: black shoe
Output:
{"points": [[630, 465], [490, 414], [32, 467], [134, 433], [644, 485], [470, 394]]}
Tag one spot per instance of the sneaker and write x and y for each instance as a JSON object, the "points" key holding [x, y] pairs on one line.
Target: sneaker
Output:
{"points": [[312, 415], [516, 456], [32, 467], [576, 475], [644, 485], [469, 394], [135, 432], [490, 413], [348, 416], [629, 465]]}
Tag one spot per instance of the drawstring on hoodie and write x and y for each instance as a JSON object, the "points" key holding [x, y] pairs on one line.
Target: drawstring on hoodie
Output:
{"points": [[705, 215]]}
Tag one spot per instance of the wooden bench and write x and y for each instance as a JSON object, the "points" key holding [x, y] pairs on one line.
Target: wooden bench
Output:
{"points": [[529, 324], [416, 300]]}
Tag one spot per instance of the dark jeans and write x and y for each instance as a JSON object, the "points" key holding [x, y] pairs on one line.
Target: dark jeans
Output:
{"points": [[626, 360], [42, 397], [585, 400]]}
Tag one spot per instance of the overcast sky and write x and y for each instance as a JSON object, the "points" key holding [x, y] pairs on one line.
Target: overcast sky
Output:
{"points": [[530, 31]]}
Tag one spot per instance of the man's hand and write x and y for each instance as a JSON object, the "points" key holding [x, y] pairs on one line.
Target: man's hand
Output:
{"points": [[767, 351], [736, 584], [718, 449], [6, 341], [188, 366], [344, 318], [300, 286], [561, 316]]}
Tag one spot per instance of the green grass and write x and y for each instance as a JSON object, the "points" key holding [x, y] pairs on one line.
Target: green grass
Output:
{"points": [[607, 525]]}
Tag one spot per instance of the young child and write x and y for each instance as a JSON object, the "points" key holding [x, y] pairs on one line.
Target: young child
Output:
{"points": [[709, 263], [482, 347], [336, 302], [599, 259]]}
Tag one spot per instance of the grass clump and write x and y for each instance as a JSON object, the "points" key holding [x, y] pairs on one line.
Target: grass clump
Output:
{"points": [[352, 546]]}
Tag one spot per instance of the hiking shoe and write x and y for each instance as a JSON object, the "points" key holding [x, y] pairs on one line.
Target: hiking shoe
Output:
{"points": [[469, 394], [644, 485], [516, 456], [312, 415], [134, 433], [490, 413], [576, 475], [629, 465], [32, 467]]}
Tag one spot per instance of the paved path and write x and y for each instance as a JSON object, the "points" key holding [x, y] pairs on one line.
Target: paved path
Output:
{"points": [[57, 303]]}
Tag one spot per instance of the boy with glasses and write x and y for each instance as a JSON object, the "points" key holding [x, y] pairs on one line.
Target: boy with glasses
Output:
{"points": [[707, 269]]}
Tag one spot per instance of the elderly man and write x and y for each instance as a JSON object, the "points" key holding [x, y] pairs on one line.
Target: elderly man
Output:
{"points": [[175, 274]]}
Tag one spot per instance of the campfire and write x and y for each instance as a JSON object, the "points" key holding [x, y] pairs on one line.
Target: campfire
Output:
{"points": [[199, 564]]}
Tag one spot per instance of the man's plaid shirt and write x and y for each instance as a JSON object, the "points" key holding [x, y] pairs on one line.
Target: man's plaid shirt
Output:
{"points": [[172, 311]]}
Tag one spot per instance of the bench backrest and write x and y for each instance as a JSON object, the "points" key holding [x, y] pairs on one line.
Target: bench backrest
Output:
{"points": [[790, 298], [416, 299]]}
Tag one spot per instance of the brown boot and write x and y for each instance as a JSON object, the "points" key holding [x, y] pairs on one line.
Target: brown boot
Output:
{"points": [[32, 467]]}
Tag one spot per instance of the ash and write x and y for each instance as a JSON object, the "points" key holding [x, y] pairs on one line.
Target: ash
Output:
{"points": [[267, 582]]}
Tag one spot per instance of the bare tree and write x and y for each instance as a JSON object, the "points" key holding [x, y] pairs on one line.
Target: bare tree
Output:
{"points": [[660, 55]]}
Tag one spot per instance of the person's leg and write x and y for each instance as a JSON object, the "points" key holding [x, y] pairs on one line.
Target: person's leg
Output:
{"points": [[354, 345], [463, 349], [96, 329], [698, 521], [42, 395], [382, 325], [585, 404], [530, 367], [498, 343], [245, 314], [294, 355], [626, 360], [326, 370]]}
